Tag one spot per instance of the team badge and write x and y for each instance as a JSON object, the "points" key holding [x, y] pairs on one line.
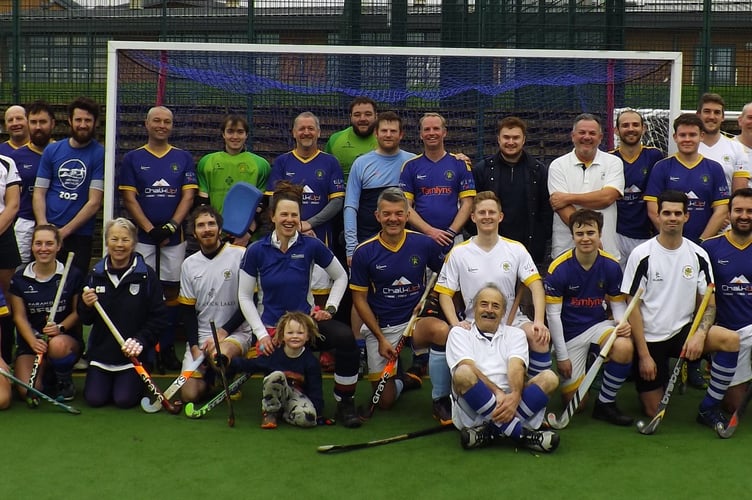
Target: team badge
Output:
{"points": [[229, 181], [134, 288], [319, 174], [415, 260], [72, 174], [506, 266], [227, 274], [449, 175], [243, 168], [705, 179], [688, 272], [174, 167]]}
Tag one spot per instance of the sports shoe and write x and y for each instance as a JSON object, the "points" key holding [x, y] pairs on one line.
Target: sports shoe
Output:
{"points": [[543, 441], [712, 417], [411, 379], [481, 436], [66, 391], [347, 414], [694, 376], [268, 420], [442, 410], [611, 414]]}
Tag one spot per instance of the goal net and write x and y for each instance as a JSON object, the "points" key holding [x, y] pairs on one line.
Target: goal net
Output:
{"points": [[471, 88]]}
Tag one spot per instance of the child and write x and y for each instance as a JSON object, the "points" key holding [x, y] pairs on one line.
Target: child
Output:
{"points": [[292, 387]]}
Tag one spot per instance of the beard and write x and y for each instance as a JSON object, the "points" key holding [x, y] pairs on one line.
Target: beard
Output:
{"points": [[83, 136], [40, 139], [367, 133]]}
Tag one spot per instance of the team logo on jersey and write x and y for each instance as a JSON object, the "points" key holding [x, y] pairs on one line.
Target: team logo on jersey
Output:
{"points": [[704, 178], [601, 284], [229, 181], [414, 260], [506, 266], [145, 168], [644, 171], [175, 167], [319, 174], [211, 293], [657, 276], [400, 287], [738, 284], [380, 267], [726, 159], [227, 274], [134, 288], [688, 272], [722, 262], [72, 174], [420, 177], [448, 175], [243, 168], [674, 179], [472, 269]]}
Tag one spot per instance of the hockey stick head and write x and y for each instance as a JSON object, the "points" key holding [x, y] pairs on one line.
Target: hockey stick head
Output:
{"points": [[649, 428], [148, 407], [728, 431], [555, 423]]}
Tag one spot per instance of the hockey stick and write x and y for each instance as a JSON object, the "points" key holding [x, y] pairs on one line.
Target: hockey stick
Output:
{"points": [[728, 431], [154, 407], [387, 372], [340, 448], [223, 376], [29, 388], [30, 400], [650, 427], [145, 377], [584, 387], [192, 412]]}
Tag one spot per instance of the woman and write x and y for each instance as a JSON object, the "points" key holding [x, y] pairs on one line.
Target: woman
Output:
{"points": [[32, 292], [130, 293], [280, 265], [10, 259]]}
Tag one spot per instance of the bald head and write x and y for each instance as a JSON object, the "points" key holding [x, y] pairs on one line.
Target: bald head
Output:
{"points": [[17, 125]]}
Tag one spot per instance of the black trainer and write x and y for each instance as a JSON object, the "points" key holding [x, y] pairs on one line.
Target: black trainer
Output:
{"points": [[347, 414], [481, 436], [611, 414], [66, 391], [543, 441], [442, 410], [411, 380], [712, 417]]}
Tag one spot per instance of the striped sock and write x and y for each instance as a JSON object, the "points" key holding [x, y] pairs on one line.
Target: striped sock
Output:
{"points": [[721, 372], [482, 401], [441, 377], [539, 361], [533, 400], [614, 375]]}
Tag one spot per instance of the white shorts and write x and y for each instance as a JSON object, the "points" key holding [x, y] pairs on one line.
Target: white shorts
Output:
{"points": [[578, 349], [625, 244], [377, 363], [463, 416], [24, 229], [743, 368], [170, 260], [321, 282], [520, 319]]}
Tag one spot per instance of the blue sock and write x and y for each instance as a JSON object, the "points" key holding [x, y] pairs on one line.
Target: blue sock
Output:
{"points": [[721, 372], [533, 400], [614, 375], [399, 385], [482, 401], [441, 377], [539, 361], [64, 364]]}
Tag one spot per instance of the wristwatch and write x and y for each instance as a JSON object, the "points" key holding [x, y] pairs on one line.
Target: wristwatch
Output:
{"points": [[331, 309], [61, 328]]}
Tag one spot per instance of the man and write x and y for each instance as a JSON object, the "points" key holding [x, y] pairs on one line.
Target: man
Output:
{"points": [[579, 284], [209, 292], [369, 176], [70, 183], [41, 122], [745, 138], [357, 139], [10, 193], [519, 180], [485, 258], [388, 277], [633, 225], [323, 188], [700, 178], [17, 127], [674, 273], [585, 178], [490, 395], [158, 183], [717, 146], [731, 259], [439, 186], [217, 172]]}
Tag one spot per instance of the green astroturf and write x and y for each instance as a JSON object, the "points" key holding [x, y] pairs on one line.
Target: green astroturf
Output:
{"points": [[109, 453]]}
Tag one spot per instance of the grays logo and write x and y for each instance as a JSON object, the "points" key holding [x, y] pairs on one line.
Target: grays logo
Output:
{"points": [[72, 174]]}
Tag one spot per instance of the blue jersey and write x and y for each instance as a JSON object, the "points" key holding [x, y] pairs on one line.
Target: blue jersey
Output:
{"points": [[322, 180], [436, 187], [284, 277], [68, 173], [704, 183], [7, 149], [38, 296], [394, 277], [732, 268], [632, 214], [27, 163], [159, 183], [582, 293]]}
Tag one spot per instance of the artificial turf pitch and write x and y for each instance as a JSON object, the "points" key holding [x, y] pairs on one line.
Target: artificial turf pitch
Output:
{"points": [[108, 453]]}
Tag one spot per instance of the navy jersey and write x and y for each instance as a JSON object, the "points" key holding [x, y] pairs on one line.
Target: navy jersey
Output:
{"points": [[27, 163], [159, 182], [322, 180], [732, 268], [582, 293], [68, 173], [394, 277], [632, 214]]}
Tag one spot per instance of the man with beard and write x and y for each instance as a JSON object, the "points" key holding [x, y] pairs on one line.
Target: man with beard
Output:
{"points": [[632, 223], [41, 121], [491, 398], [731, 258], [209, 292], [357, 139], [70, 183], [18, 129]]}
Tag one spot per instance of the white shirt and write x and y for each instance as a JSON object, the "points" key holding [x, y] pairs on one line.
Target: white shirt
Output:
{"points": [[729, 154]]}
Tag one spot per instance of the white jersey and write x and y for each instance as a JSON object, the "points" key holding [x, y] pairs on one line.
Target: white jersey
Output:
{"points": [[491, 357], [8, 177], [730, 155], [468, 268], [567, 174], [747, 170], [671, 280], [211, 285]]}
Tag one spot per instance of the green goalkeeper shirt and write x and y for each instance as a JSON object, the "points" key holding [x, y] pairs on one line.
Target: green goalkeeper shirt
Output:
{"points": [[346, 145], [217, 172]]}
